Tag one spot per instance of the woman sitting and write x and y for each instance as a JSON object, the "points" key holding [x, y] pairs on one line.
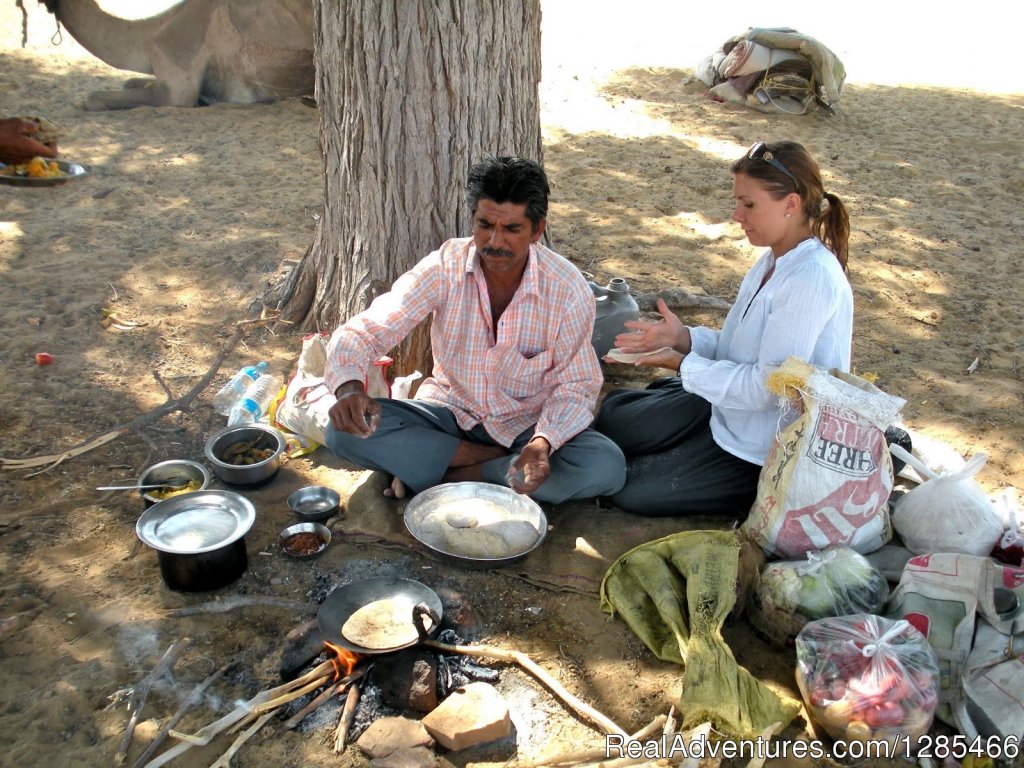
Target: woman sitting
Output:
{"points": [[695, 442]]}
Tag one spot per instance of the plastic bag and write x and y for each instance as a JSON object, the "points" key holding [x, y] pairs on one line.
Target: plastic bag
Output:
{"points": [[302, 409], [946, 513], [866, 678], [835, 582]]}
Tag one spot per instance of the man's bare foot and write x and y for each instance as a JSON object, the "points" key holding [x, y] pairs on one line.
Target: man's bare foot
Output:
{"points": [[396, 490]]}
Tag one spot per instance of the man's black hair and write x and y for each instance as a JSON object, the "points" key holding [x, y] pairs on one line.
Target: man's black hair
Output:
{"points": [[510, 180]]}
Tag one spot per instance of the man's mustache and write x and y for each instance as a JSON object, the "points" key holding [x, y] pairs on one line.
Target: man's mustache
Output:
{"points": [[496, 252]]}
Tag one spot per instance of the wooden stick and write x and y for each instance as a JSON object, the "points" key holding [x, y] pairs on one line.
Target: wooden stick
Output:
{"points": [[141, 690], [326, 695], [280, 701], [242, 601], [52, 460], [500, 654], [193, 698], [205, 735], [348, 714], [225, 760]]}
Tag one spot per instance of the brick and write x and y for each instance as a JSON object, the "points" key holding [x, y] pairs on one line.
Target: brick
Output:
{"points": [[472, 715], [388, 734], [407, 757]]}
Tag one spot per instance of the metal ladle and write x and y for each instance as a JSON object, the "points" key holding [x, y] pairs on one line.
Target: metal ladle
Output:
{"points": [[171, 486]]}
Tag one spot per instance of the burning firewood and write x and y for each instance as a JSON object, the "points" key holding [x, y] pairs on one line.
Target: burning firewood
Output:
{"points": [[348, 714], [321, 674], [322, 698]]}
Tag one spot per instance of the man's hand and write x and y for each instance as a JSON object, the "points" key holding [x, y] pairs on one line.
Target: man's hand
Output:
{"points": [[355, 412], [531, 467], [17, 145]]}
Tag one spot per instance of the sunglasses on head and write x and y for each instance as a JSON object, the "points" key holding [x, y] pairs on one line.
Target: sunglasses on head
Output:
{"points": [[760, 151]]}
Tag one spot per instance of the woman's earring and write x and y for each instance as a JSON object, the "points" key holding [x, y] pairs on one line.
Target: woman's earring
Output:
{"points": [[787, 215]]}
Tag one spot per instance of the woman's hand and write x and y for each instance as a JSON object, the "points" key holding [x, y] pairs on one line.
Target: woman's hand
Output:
{"points": [[663, 358], [646, 336]]}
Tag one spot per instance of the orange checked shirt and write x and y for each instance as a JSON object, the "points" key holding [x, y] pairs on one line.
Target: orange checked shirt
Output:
{"points": [[537, 367]]}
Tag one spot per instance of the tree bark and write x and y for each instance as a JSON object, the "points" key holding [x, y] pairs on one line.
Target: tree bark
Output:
{"points": [[411, 94]]}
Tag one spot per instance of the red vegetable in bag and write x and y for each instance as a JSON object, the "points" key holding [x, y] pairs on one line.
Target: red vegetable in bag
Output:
{"points": [[864, 677]]}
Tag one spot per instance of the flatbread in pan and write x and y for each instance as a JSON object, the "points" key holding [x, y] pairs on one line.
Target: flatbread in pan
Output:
{"points": [[382, 624]]}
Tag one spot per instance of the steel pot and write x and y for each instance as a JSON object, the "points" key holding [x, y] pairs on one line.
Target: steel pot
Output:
{"points": [[262, 436], [172, 471], [199, 538]]}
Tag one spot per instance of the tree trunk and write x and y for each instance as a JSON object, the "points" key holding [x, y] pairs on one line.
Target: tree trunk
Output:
{"points": [[411, 93]]}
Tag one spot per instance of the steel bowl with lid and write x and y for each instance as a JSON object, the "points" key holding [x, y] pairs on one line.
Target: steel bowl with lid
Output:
{"points": [[476, 525], [245, 454], [199, 538]]}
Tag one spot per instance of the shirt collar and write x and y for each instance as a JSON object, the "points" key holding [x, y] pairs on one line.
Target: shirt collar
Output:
{"points": [[531, 278]]}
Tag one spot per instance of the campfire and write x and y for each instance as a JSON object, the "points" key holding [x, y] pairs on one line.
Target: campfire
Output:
{"points": [[424, 675]]}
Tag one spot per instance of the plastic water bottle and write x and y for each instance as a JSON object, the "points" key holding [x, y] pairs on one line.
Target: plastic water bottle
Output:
{"points": [[255, 401], [235, 388]]}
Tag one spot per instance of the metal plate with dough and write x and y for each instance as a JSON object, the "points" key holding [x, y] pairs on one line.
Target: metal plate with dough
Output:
{"points": [[68, 170], [478, 525]]}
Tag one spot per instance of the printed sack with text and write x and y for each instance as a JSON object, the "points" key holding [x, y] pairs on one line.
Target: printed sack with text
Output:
{"points": [[828, 475]]}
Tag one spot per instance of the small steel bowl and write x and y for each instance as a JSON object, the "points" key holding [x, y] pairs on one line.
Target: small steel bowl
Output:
{"points": [[175, 472], [320, 531], [245, 474], [315, 503]]}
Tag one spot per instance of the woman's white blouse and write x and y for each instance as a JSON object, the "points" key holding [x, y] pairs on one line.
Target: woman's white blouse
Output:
{"points": [[804, 310]]}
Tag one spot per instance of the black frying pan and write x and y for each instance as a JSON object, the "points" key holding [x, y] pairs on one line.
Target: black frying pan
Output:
{"points": [[338, 606]]}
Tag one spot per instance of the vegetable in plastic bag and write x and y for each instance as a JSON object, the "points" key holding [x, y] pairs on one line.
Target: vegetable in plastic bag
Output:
{"points": [[946, 513], [833, 582], [866, 678]]}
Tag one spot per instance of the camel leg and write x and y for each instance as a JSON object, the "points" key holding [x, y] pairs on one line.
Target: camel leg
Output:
{"points": [[152, 94]]}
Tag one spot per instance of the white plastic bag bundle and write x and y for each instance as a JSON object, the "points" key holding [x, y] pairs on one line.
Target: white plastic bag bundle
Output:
{"points": [[946, 513], [835, 582]]}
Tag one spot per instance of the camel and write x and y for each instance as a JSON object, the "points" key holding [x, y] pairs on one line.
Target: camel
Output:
{"points": [[199, 51]]}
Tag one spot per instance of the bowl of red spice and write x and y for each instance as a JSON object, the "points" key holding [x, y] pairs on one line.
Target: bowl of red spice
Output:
{"points": [[304, 539]]}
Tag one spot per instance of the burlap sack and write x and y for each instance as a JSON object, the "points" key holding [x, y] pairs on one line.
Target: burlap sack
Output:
{"points": [[828, 476]]}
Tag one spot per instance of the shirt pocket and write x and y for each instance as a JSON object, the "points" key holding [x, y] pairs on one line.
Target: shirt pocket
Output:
{"points": [[521, 376]]}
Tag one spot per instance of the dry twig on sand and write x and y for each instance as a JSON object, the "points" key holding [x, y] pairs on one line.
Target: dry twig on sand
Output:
{"points": [[242, 601], [140, 691], [182, 403], [206, 734], [193, 698]]}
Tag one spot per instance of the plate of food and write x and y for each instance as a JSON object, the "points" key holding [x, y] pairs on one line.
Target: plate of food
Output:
{"points": [[477, 525], [40, 172]]}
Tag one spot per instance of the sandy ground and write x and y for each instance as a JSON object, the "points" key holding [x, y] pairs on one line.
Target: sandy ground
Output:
{"points": [[188, 214]]}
